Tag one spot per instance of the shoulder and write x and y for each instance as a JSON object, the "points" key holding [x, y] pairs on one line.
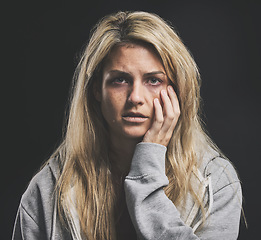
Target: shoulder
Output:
{"points": [[37, 214], [38, 199], [44, 181], [221, 170]]}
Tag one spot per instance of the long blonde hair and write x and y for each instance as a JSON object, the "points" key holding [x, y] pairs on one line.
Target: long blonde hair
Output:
{"points": [[83, 153]]}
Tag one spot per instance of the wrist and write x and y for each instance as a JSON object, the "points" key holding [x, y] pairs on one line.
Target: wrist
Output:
{"points": [[148, 158]]}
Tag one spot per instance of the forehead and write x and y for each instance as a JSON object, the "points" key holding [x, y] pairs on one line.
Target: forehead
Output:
{"points": [[132, 55]]}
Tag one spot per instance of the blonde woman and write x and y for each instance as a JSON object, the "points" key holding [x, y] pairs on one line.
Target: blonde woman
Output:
{"points": [[135, 162]]}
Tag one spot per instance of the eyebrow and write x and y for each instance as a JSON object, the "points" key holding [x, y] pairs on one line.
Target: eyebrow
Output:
{"points": [[145, 74], [154, 73]]}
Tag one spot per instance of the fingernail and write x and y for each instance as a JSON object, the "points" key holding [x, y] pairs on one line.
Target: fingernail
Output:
{"points": [[170, 88], [156, 100], [164, 92]]}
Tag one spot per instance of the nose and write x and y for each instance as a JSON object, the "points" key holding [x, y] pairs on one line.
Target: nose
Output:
{"points": [[136, 94]]}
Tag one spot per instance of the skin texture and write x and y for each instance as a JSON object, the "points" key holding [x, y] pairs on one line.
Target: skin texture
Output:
{"points": [[136, 99]]}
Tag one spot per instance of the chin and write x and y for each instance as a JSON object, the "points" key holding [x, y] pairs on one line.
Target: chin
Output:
{"points": [[135, 133]]}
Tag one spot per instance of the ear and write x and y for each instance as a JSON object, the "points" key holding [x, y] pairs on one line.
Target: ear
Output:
{"points": [[97, 91]]}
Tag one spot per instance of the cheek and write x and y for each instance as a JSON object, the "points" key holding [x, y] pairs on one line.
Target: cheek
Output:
{"points": [[112, 104], [155, 92]]}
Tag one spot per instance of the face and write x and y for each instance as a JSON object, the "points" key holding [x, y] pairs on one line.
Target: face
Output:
{"points": [[132, 77]]}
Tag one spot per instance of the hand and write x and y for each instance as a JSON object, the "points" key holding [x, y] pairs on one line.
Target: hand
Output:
{"points": [[165, 119]]}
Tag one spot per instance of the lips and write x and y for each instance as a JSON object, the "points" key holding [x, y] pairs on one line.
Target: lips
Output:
{"points": [[134, 117], [134, 114]]}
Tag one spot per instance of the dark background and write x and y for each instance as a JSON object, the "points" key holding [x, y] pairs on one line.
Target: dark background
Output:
{"points": [[43, 40]]}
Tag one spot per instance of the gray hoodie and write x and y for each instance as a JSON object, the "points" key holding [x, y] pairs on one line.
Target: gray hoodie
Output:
{"points": [[152, 214]]}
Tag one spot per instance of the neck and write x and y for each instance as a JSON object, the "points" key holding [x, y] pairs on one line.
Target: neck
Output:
{"points": [[121, 153]]}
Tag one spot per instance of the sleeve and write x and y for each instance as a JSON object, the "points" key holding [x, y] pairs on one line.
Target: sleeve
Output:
{"points": [[25, 227], [154, 216]]}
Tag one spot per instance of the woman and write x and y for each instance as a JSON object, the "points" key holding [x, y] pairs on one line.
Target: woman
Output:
{"points": [[135, 161]]}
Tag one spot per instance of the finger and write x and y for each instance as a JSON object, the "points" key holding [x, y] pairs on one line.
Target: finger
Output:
{"points": [[168, 111], [174, 100], [158, 118], [172, 110], [175, 104], [152, 133]]}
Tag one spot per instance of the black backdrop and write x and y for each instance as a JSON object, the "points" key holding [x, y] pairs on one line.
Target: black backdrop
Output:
{"points": [[43, 40]]}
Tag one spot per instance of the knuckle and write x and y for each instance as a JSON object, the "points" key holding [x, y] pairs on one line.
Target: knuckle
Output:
{"points": [[159, 120], [171, 116]]}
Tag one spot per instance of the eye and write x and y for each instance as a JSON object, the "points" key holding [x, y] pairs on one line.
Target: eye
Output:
{"points": [[119, 80], [154, 81]]}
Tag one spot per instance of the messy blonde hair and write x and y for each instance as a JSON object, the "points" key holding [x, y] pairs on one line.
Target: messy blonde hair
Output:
{"points": [[83, 153]]}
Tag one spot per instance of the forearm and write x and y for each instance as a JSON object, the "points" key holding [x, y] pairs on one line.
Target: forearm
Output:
{"points": [[153, 214]]}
